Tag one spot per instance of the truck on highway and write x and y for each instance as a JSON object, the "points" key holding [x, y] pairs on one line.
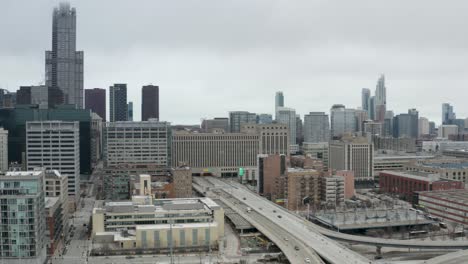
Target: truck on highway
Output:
{"points": [[248, 209]]}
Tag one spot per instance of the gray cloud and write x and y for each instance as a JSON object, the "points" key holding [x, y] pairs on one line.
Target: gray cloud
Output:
{"points": [[211, 56]]}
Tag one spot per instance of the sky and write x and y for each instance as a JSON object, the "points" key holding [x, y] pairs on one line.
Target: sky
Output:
{"points": [[210, 57]]}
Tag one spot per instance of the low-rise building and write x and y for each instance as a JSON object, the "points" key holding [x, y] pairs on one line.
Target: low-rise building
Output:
{"points": [[406, 183], [348, 176], [149, 224], [317, 150], [332, 189], [453, 169], [449, 205], [303, 188]]}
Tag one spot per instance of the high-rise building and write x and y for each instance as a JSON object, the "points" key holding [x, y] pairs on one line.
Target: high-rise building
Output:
{"points": [[118, 102], [365, 100], [264, 119], [149, 102], [96, 138], [343, 121], [238, 118], [447, 114], [316, 127], [423, 126], [95, 100], [302, 184], [217, 123], [130, 111], [380, 102], [387, 128], [64, 65], [273, 138], [279, 102], [372, 128], [446, 130], [3, 149], [138, 143], [287, 116], [361, 117], [14, 120], [55, 145], [23, 222], [432, 128], [406, 125], [354, 154], [299, 130], [36, 95], [372, 108]]}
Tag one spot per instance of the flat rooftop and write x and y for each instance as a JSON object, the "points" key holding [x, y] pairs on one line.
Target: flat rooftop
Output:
{"points": [[448, 165], [416, 175], [459, 195]]}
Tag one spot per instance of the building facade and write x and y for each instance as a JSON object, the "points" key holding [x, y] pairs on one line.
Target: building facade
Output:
{"points": [[3, 149], [343, 121], [354, 154], [64, 64], [23, 225], [138, 142], [287, 116], [149, 102], [332, 189], [118, 102], [316, 127], [95, 100], [279, 102], [317, 150], [215, 124], [238, 118], [303, 188], [55, 145], [450, 205]]}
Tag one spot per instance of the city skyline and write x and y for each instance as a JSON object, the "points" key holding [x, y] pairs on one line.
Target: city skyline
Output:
{"points": [[312, 75]]}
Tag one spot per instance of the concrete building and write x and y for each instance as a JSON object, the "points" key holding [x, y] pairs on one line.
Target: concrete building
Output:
{"points": [[287, 116], [182, 178], [118, 102], [354, 154], [303, 188], [279, 102], [348, 176], [215, 124], [138, 142], [130, 111], [448, 205], [316, 127], [57, 210], [264, 119], [63, 64], [149, 102], [271, 168], [273, 138], [299, 131], [23, 225], [35, 95], [3, 149], [387, 126], [423, 126], [441, 145], [396, 162], [452, 169], [317, 150], [332, 189], [406, 125], [95, 100], [372, 128], [343, 121], [54, 145], [14, 120], [217, 154], [154, 225], [173, 183], [238, 118], [446, 130], [96, 138], [394, 144], [406, 183], [447, 114]]}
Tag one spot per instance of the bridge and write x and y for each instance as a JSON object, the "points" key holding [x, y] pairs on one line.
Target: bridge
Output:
{"points": [[303, 233]]}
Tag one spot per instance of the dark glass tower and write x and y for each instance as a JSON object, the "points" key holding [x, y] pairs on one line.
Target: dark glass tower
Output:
{"points": [[95, 100], [149, 102], [118, 102]]}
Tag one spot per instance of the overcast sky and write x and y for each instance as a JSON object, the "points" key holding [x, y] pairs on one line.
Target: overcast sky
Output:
{"points": [[210, 57]]}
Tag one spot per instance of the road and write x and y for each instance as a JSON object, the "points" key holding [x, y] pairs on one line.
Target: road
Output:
{"points": [[279, 222], [452, 258]]}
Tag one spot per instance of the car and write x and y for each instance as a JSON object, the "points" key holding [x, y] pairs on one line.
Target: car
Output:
{"points": [[378, 257], [296, 248], [279, 216], [244, 198], [274, 211], [286, 239], [307, 260]]}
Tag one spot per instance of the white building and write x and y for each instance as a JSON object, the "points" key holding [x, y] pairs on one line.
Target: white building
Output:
{"points": [[423, 126], [288, 116], [137, 142], [55, 145], [316, 127], [3, 149]]}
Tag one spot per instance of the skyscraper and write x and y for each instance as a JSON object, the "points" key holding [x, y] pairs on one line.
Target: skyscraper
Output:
{"points": [[130, 111], [149, 102], [279, 102], [343, 121], [118, 102], [316, 127], [288, 116], [64, 65], [406, 125], [95, 100], [380, 102], [365, 100], [447, 114], [237, 118]]}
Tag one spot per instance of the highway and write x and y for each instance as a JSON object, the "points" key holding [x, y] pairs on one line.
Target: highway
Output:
{"points": [[451, 258], [281, 222]]}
